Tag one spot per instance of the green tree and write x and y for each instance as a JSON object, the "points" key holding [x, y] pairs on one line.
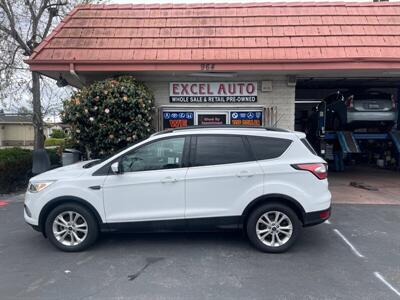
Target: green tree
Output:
{"points": [[24, 24], [108, 115]]}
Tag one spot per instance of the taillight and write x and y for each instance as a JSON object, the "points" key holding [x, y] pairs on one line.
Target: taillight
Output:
{"points": [[318, 169], [349, 101], [394, 104], [325, 214]]}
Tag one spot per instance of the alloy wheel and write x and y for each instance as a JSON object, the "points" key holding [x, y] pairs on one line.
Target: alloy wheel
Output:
{"points": [[274, 228], [70, 228]]}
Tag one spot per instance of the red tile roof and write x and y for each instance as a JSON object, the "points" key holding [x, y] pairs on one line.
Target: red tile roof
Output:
{"points": [[233, 36]]}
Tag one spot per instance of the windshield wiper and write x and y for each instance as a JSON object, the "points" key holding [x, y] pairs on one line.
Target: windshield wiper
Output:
{"points": [[92, 163]]}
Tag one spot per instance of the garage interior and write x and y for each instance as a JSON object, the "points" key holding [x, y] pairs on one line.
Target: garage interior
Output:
{"points": [[366, 146]]}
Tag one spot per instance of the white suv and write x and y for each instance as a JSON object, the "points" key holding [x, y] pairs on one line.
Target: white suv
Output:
{"points": [[269, 182]]}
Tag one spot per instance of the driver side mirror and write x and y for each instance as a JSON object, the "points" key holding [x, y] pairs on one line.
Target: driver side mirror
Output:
{"points": [[116, 168]]}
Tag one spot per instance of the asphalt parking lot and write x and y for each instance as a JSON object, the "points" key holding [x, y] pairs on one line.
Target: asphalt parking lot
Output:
{"points": [[208, 265]]}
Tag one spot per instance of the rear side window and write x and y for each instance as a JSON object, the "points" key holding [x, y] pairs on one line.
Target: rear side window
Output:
{"points": [[219, 149], [308, 145], [373, 96], [267, 147]]}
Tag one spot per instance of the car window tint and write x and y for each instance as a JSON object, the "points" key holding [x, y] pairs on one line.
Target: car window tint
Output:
{"points": [[372, 96], [220, 149], [164, 154], [267, 147]]}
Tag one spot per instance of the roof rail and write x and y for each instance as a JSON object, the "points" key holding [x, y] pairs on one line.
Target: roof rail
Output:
{"points": [[169, 130]]}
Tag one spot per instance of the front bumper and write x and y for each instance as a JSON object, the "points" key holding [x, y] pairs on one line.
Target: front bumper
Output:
{"points": [[316, 217], [29, 219], [30, 211]]}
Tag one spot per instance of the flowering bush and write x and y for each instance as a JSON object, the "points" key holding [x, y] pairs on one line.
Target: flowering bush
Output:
{"points": [[108, 115]]}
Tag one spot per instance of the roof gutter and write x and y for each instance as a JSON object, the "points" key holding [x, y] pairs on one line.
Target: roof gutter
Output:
{"points": [[218, 61]]}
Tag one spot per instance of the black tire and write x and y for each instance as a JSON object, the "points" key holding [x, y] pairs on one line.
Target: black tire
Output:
{"points": [[92, 227], [256, 214]]}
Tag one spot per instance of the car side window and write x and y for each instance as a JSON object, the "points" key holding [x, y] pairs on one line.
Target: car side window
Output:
{"points": [[268, 147], [163, 154], [219, 149]]}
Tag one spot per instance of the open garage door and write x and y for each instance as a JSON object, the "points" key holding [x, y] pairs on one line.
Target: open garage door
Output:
{"points": [[350, 119], [311, 91]]}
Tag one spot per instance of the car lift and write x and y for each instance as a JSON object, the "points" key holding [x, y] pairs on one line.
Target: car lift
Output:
{"points": [[348, 141]]}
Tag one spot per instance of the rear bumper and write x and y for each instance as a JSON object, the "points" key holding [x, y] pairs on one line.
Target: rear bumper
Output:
{"points": [[316, 217], [371, 116]]}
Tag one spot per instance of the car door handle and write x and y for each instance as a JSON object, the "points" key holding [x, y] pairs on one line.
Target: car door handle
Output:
{"points": [[169, 179], [244, 173], [95, 187]]}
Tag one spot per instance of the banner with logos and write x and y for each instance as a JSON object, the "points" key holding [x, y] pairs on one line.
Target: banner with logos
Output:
{"points": [[213, 92], [246, 118], [177, 119]]}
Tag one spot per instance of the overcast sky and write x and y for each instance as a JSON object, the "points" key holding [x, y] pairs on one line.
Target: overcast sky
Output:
{"points": [[218, 1]]}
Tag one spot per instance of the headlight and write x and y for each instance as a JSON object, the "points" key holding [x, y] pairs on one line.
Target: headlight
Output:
{"points": [[35, 187]]}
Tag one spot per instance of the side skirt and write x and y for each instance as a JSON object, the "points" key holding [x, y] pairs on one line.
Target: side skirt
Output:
{"points": [[178, 225]]}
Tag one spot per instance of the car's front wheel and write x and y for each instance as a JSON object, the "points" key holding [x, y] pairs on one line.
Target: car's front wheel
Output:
{"points": [[71, 227], [273, 227]]}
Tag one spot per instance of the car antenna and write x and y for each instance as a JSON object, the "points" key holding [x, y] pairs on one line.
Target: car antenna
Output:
{"points": [[276, 123]]}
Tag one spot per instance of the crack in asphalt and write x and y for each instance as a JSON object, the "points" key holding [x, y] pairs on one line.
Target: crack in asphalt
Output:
{"points": [[149, 262]]}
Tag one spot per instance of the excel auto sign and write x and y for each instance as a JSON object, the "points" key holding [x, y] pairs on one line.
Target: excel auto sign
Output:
{"points": [[212, 92]]}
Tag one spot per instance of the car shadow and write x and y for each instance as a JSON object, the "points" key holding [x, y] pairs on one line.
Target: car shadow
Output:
{"points": [[310, 239]]}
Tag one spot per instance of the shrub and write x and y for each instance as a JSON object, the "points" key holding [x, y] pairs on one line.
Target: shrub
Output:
{"points": [[58, 134], [15, 166], [54, 142], [108, 115]]}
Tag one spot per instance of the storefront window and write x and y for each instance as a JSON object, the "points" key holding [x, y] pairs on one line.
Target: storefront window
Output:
{"points": [[175, 119]]}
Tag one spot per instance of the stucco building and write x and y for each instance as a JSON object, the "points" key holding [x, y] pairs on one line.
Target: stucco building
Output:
{"points": [[198, 59]]}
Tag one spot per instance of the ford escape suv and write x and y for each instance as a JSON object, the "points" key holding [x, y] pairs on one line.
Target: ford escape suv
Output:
{"points": [[268, 182]]}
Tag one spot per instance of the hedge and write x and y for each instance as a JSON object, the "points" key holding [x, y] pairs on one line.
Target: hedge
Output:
{"points": [[54, 142], [58, 134], [16, 166]]}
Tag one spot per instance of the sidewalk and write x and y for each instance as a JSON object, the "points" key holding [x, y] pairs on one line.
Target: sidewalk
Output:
{"points": [[381, 186]]}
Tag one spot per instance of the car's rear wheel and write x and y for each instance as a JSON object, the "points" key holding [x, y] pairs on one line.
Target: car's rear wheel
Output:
{"points": [[273, 227], [71, 227]]}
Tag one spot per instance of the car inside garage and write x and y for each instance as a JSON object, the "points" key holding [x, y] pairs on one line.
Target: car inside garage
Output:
{"points": [[350, 121]]}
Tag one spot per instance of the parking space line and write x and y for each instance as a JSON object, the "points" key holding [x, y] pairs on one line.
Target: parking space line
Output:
{"points": [[328, 222], [355, 251], [381, 278]]}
